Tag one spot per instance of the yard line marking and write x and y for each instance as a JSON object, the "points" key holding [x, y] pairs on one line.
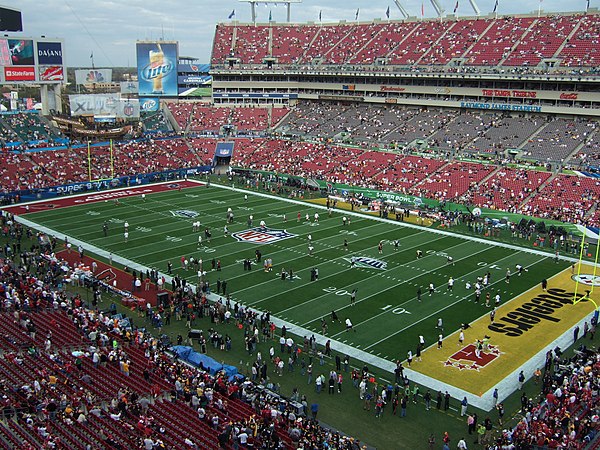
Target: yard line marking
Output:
{"points": [[438, 311]]}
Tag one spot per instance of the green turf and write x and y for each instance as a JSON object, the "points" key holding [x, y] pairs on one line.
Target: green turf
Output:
{"points": [[387, 316]]}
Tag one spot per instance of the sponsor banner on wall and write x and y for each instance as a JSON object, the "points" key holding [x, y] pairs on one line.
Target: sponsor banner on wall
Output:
{"points": [[149, 104], [90, 76], [129, 87], [19, 73], [104, 105], [157, 68], [21, 52], [51, 73], [194, 79], [49, 53]]}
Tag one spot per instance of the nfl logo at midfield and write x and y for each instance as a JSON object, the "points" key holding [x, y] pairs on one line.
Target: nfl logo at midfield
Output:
{"points": [[262, 235]]}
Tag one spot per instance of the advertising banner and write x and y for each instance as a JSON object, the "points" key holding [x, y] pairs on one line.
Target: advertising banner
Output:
{"points": [[104, 105], [49, 53], [51, 73], [129, 87], [21, 51], [194, 79], [157, 68], [19, 73], [90, 76], [5, 59], [149, 104]]}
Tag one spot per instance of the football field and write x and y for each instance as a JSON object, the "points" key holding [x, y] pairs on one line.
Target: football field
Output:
{"points": [[387, 316]]}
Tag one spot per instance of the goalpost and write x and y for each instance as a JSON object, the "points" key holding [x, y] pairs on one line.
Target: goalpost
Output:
{"points": [[583, 254], [89, 161]]}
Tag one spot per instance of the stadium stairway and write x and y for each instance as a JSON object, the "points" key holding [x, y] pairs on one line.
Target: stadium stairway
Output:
{"points": [[467, 52], [536, 192], [171, 119], [434, 45], [532, 136], [193, 152], [281, 119], [567, 40], [517, 42], [348, 35], [365, 45]]}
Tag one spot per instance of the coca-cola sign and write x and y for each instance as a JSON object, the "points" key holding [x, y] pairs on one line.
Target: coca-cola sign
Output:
{"points": [[568, 96]]}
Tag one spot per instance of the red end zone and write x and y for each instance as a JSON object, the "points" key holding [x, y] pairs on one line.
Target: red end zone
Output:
{"points": [[63, 202]]}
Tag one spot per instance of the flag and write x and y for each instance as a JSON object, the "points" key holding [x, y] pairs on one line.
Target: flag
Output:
{"points": [[270, 16], [387, 12], [357, 11], [588, 5], [495, 6], [422, 10], [320, 15], [456, 7], [92, 55], [232, 15]]}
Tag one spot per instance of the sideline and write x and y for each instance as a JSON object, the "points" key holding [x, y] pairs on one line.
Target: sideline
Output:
{"points": [[485, 401]]}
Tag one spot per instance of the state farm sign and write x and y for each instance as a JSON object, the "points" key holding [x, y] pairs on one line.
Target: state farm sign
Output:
{"points": [[19, 73]]}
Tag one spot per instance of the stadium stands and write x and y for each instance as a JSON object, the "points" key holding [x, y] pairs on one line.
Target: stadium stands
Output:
{"points": [[505, 133], [156, 122], [452, 181], [506, 41], [508, 188], [290, 42], [557, 140], [566, 197], [25, 127], [581, 50], [542, 40], [182, 112]]}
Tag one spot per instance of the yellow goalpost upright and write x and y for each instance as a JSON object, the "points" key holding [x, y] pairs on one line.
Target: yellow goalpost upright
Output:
{"points": [[582, 255]]}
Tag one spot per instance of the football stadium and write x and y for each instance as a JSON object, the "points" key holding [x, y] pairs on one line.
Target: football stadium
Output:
{"points": [[368, 234]]}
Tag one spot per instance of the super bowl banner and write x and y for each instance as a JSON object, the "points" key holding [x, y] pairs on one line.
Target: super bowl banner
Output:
{"points": [[157, 68], [104, 105], [91, 76]]}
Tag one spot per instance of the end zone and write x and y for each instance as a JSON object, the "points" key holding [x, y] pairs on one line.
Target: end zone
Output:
{"points": [[493, 353]]}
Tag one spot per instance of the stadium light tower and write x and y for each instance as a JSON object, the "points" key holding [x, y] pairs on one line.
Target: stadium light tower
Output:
{"points": [[402, 9], [287, 3], [439, 9], [475, 7]]}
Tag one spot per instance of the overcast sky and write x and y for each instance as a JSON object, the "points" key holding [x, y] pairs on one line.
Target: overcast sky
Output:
{"points": [[109, 28]]}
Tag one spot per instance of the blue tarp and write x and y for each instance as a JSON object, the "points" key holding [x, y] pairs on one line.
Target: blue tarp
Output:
{"points": [[230, 370], [182, 351], [207, 362], [188, 354]]}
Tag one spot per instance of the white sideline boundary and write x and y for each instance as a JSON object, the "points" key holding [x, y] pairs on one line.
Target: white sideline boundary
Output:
{"points": [[485, 401]]}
